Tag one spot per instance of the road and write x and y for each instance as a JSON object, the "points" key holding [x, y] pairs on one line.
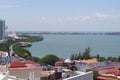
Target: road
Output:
{"points": [[11, 49]]}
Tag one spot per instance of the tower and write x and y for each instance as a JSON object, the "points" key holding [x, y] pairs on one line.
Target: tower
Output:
{"points": [[2, 29]]}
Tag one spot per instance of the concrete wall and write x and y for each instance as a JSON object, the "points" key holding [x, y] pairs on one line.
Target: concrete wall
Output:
{"points": [[86, 76], [84, 66]]}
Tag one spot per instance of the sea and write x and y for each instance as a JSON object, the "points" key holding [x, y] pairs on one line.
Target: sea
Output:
{"points": [[65, 45]]}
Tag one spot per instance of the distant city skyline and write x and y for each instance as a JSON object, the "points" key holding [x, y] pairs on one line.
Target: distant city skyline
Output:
{"points": [[61, 15]]}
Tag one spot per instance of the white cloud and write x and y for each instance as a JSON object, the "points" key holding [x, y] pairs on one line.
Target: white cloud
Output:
{"points": [[98, 18], [4, 6]]}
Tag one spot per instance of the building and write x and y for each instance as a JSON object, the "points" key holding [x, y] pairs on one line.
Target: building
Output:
{"points": [[2, 29], [29, 69], [82, 65], [4, 75], [11, 34], [110, 71], [81, 76]]}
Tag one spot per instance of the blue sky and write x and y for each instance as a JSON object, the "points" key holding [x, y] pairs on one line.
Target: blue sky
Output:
{"points": [[61, 15]]}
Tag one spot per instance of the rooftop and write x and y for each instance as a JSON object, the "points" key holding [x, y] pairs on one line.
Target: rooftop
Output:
{"points": [[107, 78], [3, 54], [17, 64], [26, 72], [94, 60], [4, 75]]}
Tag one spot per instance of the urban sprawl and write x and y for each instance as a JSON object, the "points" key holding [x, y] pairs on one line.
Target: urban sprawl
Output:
{"points": [[23, 66]]}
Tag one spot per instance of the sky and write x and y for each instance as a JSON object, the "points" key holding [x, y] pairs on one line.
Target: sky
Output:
{"points": [[61, 15]]}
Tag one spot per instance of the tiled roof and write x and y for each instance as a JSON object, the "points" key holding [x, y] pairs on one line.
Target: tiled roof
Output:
{"points": [[30, 62], [17, 64], [112, 70], [106, 78], [89, 61], [24, 73]]}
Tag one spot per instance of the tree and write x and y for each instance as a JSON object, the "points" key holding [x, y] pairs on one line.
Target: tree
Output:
{"points": [[21, 51], [114, 59], [49, 59], [97, 56], [101, 59], [86, 53], [79, 55], [72, 57], [36, 59], [119, 59], [76, 56]]}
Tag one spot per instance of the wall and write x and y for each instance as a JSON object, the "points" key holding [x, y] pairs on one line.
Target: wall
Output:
{"points": [[84, 66], [86, 76]]}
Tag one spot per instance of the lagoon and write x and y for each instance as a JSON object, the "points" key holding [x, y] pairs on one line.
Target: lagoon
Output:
{"points": [[65, 45]]}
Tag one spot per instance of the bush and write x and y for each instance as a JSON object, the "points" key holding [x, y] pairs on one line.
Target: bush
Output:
{"points": [[21, 51], [49, 59]]}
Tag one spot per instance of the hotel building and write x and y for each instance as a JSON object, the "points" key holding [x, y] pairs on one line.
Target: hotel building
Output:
{"points": [[2, 29]]}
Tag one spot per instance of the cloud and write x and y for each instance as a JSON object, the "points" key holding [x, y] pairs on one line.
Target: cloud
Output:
{"points": [[4, 6], [94, 19]]}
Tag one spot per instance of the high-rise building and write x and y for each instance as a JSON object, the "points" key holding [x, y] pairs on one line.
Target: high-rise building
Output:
{"points": [[2, 29]]}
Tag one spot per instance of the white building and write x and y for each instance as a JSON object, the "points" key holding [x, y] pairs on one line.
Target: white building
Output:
{"points": [[3, 57], [82, 65], [11, 34]]}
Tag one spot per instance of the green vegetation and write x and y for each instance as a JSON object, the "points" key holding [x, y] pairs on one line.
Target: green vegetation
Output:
{"points": [[49, 59], [21, 51], [101, 59], [36, 59], [84, 55], [114, 59], [6, 44], [28, 38]]}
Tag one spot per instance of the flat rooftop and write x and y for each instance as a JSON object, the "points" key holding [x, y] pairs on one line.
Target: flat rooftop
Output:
{"points": [[94, 60]]}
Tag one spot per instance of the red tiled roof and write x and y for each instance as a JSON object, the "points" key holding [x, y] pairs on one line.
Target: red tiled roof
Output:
{"points": [[112, 70], [17, 64], [30, 62], [94, 60], [106, 78]]}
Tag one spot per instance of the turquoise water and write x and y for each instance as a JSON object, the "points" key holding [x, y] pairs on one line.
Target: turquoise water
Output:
{"points": [[65, 45]]}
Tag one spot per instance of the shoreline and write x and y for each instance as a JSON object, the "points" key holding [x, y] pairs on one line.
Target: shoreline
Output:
{"points": [[70, 33]]}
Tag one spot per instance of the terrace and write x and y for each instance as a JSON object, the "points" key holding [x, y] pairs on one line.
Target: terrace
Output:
{"points": [[4, 75], [78, 75]]}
